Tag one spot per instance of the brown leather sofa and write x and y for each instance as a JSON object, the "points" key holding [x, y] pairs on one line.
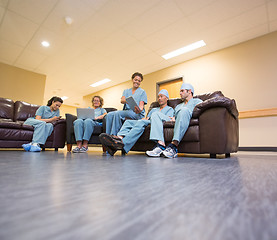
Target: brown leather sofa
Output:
{"points": [[213, 128], [13, 133]]}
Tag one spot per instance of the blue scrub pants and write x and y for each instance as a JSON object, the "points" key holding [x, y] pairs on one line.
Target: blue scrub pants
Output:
{"points": [[42, 130], [84, 128], [132, 130], [181, 124], [114, 120], [157, 128]]}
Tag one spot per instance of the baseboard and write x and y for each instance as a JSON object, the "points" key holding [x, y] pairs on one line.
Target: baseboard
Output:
{"points": [[258, 149]]}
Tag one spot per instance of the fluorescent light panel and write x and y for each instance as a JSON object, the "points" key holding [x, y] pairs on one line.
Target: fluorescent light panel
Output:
{"points": [[100, 82], [185, 49]]}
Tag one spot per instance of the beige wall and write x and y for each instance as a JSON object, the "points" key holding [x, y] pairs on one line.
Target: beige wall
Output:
{"points": [[20, 84], [67, 109], [246, 72]]}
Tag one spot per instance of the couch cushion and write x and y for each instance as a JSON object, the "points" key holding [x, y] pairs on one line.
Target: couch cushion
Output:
{"points": [[10, 124], [23, 110], [15, 134], [6, 108]]}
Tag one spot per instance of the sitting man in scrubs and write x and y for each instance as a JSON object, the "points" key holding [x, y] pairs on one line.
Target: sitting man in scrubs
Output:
{"points": [[133, 129], [183, 114], [114, 119], [42, 123], [83, 128]]}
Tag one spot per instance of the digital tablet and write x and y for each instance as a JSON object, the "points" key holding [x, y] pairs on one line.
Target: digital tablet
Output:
{"points": [[131, 102]]}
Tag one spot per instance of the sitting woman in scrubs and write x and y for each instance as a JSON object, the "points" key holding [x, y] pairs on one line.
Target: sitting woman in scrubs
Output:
{"points": [[83, 128], [42, 123], [114, 119]]}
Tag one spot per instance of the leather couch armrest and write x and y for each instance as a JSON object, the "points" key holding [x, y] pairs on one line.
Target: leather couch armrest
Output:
{"points": [[70, 128], [224, 102]]}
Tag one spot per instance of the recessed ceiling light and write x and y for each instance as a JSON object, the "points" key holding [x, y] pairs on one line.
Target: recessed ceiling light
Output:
{"points": [[45, 44], [185, 49], [100, 82], [64, 97]]}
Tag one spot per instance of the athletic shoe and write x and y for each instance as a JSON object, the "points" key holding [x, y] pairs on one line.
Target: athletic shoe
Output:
{"points": [[155, 152], [83, 150], [35, 148], [27, 147], [170, 151], [76, 150]]}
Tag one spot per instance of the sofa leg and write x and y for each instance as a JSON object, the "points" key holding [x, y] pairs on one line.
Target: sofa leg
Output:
{"points": [[69, 147], [104, 149], [212, 155], [56, 149], [227, 155], [43, 149]]}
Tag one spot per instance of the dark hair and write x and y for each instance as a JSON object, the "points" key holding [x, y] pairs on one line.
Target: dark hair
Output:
{"points": [[54, 99], [137, 74], [100, 98]]}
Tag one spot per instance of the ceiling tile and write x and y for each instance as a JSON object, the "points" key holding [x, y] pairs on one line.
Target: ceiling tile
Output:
{"points": [[191, 6], [30, 59], [56, 42], [114, 43], [2, 12], [17, 29], [4, 3], [78, 11], [34, 10], [165, 13], [121, 12], [220, 11], [236, 25], [272, 10], [9, 52], [273, 26], [172, 37]]}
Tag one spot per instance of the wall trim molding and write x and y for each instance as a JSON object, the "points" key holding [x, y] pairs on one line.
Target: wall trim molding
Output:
{"points": [[258, 149], [267, 112]]}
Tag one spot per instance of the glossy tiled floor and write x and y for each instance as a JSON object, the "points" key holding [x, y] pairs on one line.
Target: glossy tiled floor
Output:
{"points": [[58, 195]]}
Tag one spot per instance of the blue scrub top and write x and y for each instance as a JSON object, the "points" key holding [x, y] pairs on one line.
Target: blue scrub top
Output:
{"points": [[99, 111], [139, 95], [190, 105], [46, 113], [168, 111]]}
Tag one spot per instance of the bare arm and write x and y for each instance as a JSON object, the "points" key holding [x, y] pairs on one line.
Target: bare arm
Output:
{"points": [[49, 120], [123, 100], [101, 116]]}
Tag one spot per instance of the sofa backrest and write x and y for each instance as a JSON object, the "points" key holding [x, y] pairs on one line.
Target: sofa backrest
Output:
{"points": [[23, 110], [175, 101], [6, 109]]}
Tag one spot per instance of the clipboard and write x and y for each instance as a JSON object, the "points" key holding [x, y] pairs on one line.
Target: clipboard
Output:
{"points": [[131, 102]]}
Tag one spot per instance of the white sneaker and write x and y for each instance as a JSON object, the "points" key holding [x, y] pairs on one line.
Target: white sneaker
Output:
{"points": [[155, 152], [170, 151]]}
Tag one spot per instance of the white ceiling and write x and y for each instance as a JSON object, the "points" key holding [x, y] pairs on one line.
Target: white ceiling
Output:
{"points": [[114, 38]]}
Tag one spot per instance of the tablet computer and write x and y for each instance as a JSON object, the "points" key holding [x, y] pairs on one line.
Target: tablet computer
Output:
{"points": [[131, 102], [85, 113]]}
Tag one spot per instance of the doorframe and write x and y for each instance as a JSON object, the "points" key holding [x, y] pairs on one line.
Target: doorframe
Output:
{"points": [[166, 81]]}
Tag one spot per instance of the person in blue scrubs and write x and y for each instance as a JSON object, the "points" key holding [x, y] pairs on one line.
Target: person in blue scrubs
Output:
{"points": [[131, 130], [42, 123], [83, 128], [183, 114], [114, 119]]}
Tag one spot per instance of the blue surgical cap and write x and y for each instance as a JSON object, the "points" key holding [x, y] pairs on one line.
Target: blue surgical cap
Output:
{"points": [[164, 92], [187, 86]]}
